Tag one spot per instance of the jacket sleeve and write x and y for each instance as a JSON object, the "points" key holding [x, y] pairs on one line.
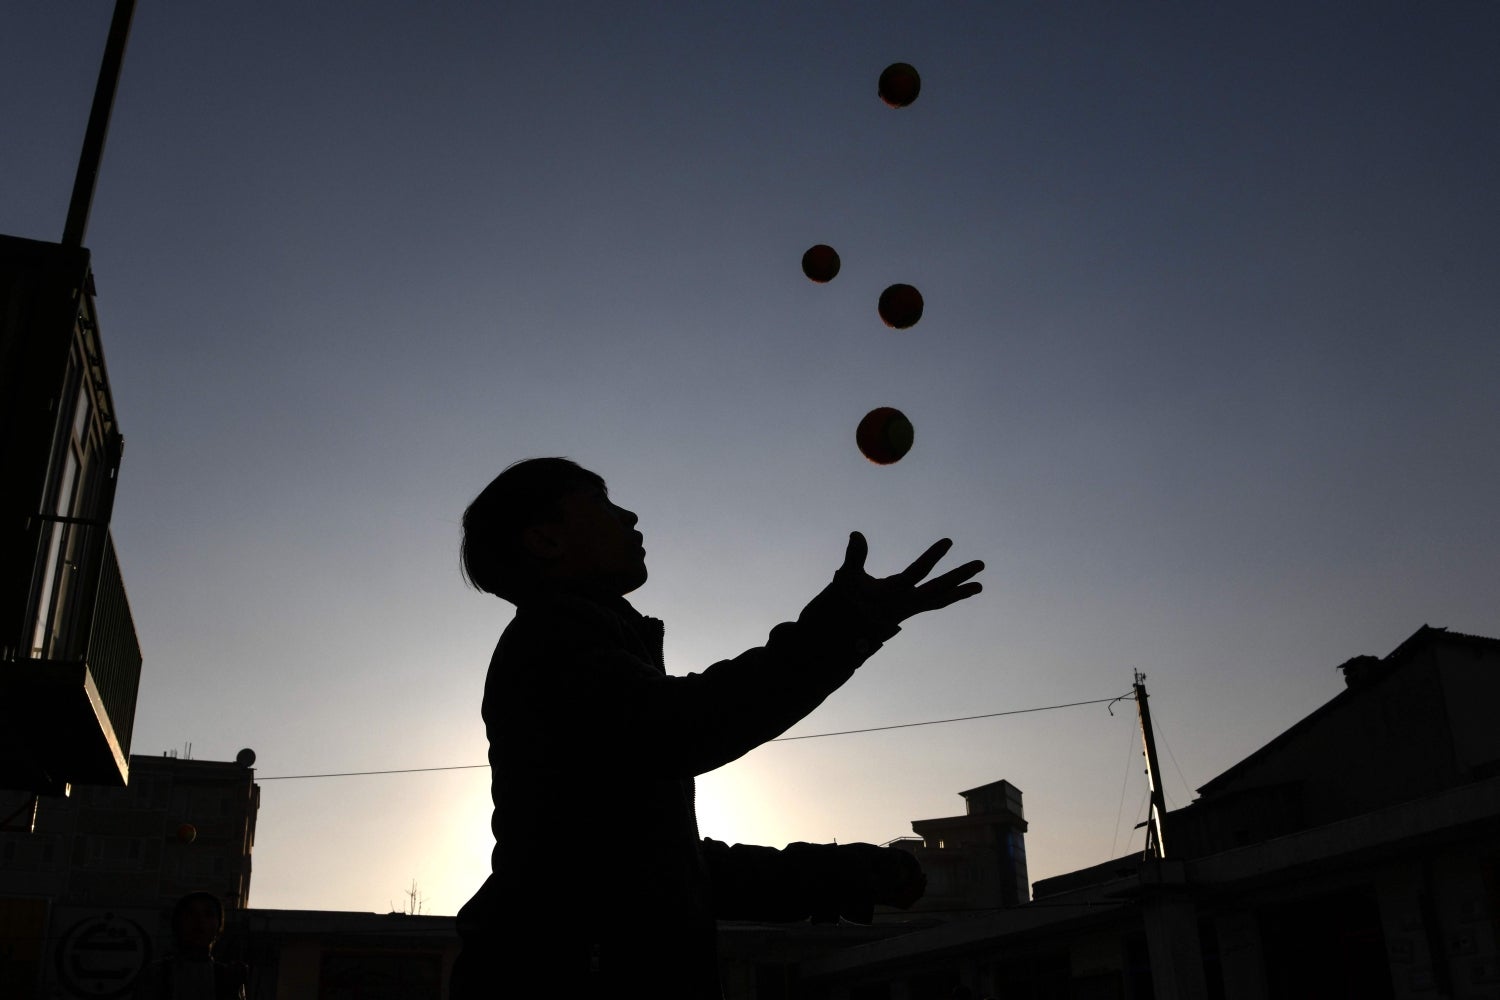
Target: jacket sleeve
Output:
{"points": [[819, 881], [617, 708]]}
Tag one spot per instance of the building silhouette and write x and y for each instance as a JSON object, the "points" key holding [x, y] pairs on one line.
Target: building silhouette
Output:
{"points": [[85, 896], [69, 659], [976, 861], [1356, 854]]}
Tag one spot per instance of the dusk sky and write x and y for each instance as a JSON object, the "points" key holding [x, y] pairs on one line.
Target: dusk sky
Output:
{"points": [[1209, 375]]}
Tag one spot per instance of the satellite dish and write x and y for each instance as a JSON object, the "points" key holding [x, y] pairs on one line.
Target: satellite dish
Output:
{"points": [[245, 758]]}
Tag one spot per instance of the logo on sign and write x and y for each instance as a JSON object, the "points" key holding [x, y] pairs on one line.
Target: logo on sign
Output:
{"points": [[101, 956]]}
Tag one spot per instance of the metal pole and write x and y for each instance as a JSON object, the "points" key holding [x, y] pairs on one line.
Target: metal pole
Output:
{"points": [[93, 138], [1155, 841]]}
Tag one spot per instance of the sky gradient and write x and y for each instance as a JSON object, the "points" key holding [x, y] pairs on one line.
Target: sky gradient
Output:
{"points": [[1207, 375]]}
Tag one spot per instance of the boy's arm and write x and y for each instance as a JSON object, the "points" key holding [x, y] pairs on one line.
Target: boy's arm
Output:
{"points": [[820, 881], [621, 710], [627, 711]]}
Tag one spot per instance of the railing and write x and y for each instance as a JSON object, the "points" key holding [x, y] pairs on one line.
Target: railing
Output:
{"points": [[114, 652], [83, 616]]}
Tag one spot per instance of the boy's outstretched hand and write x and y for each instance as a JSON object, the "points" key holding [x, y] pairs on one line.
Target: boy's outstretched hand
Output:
{"points": [[896, 598]]}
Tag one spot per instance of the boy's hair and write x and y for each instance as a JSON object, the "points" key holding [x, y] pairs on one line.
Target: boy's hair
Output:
{"points": [[181, 906], [491, 555]]}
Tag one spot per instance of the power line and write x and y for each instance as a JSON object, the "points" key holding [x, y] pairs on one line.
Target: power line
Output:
{"points": [[1130, 753], [937, 722], [782, 739], [1173, 756], [357, 774]]}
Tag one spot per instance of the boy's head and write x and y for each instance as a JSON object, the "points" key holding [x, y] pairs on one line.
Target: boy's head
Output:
{"points": [[197, 919], [549, 523]]}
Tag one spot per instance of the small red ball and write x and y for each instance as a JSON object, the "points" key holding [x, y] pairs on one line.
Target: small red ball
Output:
{"points": [[884, 435], [901, 306], [900, 84], [821, 263], [187, 833]]}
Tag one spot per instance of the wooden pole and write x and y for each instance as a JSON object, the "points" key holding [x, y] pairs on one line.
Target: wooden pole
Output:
{"points": [[1156, 844]]}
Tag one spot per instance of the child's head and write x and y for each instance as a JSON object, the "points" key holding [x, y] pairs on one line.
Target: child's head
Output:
{"points": [[549, 522], [197, 920]]}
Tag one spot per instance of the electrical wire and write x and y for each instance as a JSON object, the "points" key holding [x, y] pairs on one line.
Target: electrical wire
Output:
{"points": [[1130, 753], [936, 722], [782, 739], [1163, 734], [358, 774]]}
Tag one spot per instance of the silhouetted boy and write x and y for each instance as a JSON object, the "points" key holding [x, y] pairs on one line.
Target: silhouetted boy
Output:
{"points": [[601, 884], [191, 972]]}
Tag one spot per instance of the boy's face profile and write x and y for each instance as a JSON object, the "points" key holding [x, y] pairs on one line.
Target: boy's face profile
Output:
{"points": [[591, 542], [197, 926]]}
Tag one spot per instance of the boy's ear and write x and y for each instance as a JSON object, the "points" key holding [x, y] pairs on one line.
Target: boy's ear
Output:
{"points": [[542, 542]]}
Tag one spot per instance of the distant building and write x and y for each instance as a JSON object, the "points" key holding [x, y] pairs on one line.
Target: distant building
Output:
{"points": [[103, 867], [316, 955], [977, 861], [1357, 854]]}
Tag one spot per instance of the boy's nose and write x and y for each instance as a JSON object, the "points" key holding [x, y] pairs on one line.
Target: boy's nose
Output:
{"points": [[628, 516]]}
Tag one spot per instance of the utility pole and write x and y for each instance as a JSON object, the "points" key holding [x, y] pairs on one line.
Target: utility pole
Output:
{"points": [[93, 138], [1156, 845]]}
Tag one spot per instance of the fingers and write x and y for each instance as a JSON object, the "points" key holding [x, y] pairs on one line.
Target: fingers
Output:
{"points": [[854, 555], [954, 576], [904, 594], [923, 564], [950, 588], [934, 601]]}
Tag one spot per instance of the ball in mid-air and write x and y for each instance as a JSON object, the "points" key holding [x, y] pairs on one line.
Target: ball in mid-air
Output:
{"points": [[900, 306], [884, 435], [900, 84], [821, 263], [187, 833]]}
